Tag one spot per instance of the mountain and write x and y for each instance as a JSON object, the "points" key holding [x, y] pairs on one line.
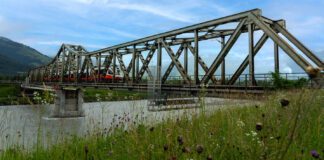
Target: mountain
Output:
{"points": [[16, 57]]}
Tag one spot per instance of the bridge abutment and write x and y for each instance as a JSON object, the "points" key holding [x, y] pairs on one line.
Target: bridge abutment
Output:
{"points": [[68, 103]]}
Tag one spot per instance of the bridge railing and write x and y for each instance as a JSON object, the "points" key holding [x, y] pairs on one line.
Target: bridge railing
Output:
{"points": [[262, 79]]}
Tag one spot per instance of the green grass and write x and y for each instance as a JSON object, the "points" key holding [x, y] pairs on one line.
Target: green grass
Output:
{"points": [[95, 94], [10, 94], [287, 133]]}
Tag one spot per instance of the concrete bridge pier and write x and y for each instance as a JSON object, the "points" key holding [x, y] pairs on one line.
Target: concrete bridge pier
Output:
{"points": [[68, 103]]}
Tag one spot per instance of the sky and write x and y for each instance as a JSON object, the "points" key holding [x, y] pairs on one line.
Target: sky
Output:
{"points": [[95, 24]]}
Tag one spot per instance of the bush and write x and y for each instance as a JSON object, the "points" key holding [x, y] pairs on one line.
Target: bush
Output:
{"points": [[282, 83]]}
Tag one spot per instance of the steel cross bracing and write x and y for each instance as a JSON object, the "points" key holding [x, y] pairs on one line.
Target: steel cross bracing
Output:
{"points": [[74, 64]]}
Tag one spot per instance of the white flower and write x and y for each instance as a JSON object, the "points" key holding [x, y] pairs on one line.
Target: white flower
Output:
{"points": [[254, 134], [240, 123]]}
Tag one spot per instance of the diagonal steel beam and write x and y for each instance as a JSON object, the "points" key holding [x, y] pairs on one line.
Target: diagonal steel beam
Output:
{"points": [[145, 65], [84, 64], [245, 63], [176, 62], [148, 71], [232, 18], [202, 63], [298, 44], [171, 65], [220, 57], [282, 43], [129, 67], [122, 66], [107, 62]]}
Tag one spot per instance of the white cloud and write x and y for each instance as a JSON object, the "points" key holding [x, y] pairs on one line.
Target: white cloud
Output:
{"points": [[122, 33], [309, 26], [60, 42], [152, 9], [168, 12], [221, 9], [49, 42]]}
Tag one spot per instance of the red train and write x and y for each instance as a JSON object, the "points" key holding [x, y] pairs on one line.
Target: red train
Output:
{"points": [[105, 76]]}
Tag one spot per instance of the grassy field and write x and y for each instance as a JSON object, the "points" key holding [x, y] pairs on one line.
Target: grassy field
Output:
{"points": [[10, 94], [272, 131]]}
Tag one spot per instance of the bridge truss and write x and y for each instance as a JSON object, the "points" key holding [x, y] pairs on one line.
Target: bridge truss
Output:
{"points": [[75, 61]]}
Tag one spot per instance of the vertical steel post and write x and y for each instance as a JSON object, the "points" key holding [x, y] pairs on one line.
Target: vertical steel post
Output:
{"points": [[87, 69], [114, 65], [159, 60], [133, 63], [62, 69], [69, 66], [186, 57], [77, 74], [57, 68], [276, 57], [99, 67], [251, 58], [196, 74], [223, 62], [137, 64]]}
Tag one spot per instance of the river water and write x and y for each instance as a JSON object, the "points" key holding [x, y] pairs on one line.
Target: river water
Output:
{"points": [[25, 125]]}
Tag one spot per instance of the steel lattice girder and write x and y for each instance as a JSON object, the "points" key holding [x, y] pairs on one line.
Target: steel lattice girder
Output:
{"points": [[145, 64], [220, 57], [77, 55], [245, 63]]}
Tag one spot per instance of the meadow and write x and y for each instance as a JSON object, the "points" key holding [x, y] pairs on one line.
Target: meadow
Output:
{"points": [[286, 125]]}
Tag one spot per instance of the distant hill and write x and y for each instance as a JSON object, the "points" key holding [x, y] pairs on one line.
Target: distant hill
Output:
{"points": [[16, 57]]}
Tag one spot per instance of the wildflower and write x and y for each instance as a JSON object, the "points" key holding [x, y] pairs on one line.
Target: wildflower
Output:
{"points": [[263, 115], [199, 148], [165, 147], [284, 102], [258, 126], [86, 149], [180, 140], [254, 134], [315, 154], [186, 150], [209, 157], [151, 146], [240, 123]]}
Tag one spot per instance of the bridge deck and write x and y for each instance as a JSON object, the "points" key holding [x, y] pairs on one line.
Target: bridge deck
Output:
{"points": [[144, 87]]}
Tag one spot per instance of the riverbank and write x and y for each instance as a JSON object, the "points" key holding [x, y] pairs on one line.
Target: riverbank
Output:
{"points": [[274, 129]]}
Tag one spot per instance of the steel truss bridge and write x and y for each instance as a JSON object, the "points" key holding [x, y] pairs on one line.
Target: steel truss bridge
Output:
{"points": [[74, 61]]}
